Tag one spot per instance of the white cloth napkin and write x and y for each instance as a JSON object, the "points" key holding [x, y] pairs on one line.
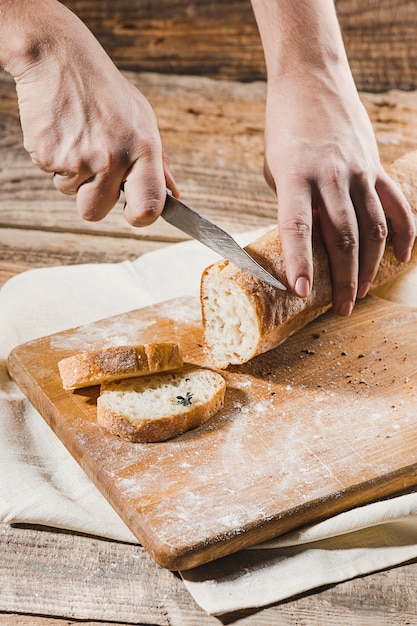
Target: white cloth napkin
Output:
{"points": [[41, 483]]}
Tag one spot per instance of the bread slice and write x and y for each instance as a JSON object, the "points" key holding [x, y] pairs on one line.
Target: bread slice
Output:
{"points": [[158, 407], [243, 317], [93, 367]]}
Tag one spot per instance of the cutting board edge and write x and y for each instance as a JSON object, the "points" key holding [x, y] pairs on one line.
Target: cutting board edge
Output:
{"points": [[326, 507]]}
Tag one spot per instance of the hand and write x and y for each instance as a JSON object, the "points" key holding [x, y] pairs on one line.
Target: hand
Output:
{"points": [[321, 155], [86, 123]]}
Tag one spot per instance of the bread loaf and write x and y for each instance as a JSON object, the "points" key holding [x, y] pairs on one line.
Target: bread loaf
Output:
{"points": [[243, 317], [93, 367], [158, 407]]}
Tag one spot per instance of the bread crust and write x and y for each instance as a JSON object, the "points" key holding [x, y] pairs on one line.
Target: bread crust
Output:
{"points": [[278, 314], [151, 430], [93, 367]]}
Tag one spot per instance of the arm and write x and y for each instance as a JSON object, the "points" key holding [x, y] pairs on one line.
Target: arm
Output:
{"points": [[321, 154], [81, 119]]}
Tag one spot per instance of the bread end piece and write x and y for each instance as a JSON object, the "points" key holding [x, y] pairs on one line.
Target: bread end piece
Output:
{"points": [[161, 406], [93, 367]]}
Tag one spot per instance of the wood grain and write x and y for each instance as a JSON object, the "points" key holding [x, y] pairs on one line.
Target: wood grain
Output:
{"points": [[113, 574], [380, 42], [119, 584], [220, 39], [23, 249], [337, 396]]}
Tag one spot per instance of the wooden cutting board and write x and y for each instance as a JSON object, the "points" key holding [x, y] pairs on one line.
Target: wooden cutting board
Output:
{"points": [[323, 423]]}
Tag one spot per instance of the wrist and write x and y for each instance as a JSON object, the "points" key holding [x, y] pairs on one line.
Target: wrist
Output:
{"points": [[31, 32], [300, 39]]}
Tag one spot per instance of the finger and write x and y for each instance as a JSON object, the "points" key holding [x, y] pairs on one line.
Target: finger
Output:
{"points": [[145, 188], [373, 232], [69, 182], [402, 227], [341, 237], [169, 179], [98, 195], [295, 229]]}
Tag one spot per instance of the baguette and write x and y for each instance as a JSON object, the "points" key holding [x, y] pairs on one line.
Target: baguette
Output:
{"points": [[158, 407], [93, 367], [244, 317]]}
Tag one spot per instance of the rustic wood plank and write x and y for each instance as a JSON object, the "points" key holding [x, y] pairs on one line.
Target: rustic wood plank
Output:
{"points": [[22, 250], [49, 211], [35, 562], [88, 578], [380, 39], [394, 118], [221, 40], [191, 37]]}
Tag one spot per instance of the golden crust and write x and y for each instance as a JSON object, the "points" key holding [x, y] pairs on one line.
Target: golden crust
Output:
{"points": [[115, 362]]}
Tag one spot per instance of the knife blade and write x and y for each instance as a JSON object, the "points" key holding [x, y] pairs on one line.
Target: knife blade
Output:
{"points": [[192, 223]]}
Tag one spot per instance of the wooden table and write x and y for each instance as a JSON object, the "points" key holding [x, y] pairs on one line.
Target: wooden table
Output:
{"points": [[214, 135]]}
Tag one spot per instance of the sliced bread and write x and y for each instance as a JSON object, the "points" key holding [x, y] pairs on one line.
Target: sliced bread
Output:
{"points": [[93, 367], [158, 407]]}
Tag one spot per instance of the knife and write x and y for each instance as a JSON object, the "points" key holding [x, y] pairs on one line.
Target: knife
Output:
{"points": [[200, 228]]}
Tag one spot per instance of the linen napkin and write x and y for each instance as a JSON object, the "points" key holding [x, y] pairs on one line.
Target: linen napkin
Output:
{"points": [[40, 483]]}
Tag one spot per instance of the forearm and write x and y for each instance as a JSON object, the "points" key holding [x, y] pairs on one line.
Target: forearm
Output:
{"points": [[301, 34]]}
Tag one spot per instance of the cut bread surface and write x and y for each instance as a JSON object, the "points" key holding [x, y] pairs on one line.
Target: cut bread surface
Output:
{"points": [[231, 331], [160, 406]]}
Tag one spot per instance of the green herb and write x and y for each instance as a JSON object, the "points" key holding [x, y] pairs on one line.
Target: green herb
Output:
{"points": [[185, 400]]}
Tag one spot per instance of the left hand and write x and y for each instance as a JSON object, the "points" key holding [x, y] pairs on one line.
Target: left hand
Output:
{"points": [[321, 154]]}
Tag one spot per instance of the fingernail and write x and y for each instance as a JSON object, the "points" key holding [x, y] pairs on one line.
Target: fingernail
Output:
{"points": [[345, 309], [302, 287], [363, 289]]}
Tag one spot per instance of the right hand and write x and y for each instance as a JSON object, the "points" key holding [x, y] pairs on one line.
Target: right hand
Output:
{"points": [[85, 122]]}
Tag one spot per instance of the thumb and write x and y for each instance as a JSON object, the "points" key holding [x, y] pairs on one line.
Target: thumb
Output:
{"points": [[145, 188]]}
